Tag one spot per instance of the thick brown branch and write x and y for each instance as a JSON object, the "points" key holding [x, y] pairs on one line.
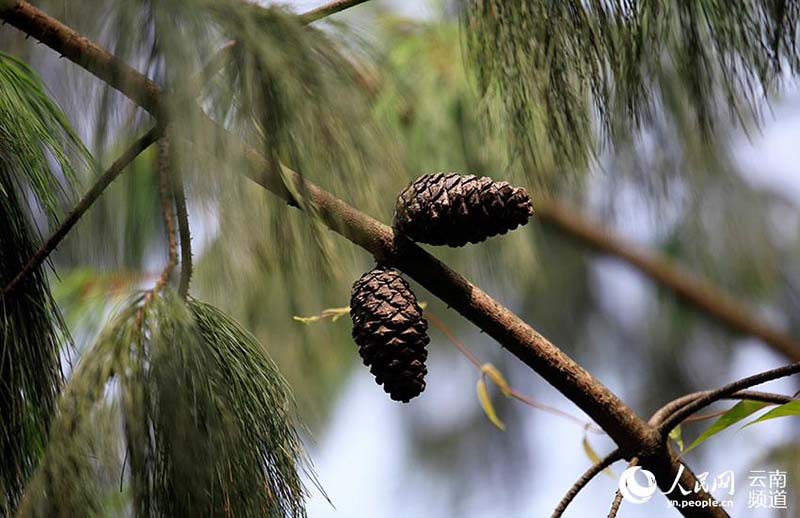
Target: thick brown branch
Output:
{"points": [[83, 205], [628, 430], [82, 51], [694, 290]]}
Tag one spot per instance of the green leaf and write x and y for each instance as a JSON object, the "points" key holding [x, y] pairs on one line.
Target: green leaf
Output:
{"points": [[731, 417], [497, 378], [486, 404], [593, 456], [677, 435], [332, 313], [790, 408]]}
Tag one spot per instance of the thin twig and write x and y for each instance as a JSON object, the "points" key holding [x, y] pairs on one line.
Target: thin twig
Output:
{"points": [[328, 9], [179, 194], [617, 502], [676, 404], [122, 471], [165, 191], [221, 56], [586, 425], [512, 392], [453, 338], [714, 395], [764, 397], [579, 484], [82, 206], [615, 505]]}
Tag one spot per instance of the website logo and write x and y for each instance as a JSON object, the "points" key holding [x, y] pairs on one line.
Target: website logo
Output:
{"points": [[632, 490]]}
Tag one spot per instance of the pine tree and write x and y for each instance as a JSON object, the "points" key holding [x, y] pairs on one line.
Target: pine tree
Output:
{"points": [[171, 406]]}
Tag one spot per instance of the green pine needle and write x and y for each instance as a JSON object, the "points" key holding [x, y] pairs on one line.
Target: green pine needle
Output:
{"points": [[34, 133], [560, 66], [207, 422]]}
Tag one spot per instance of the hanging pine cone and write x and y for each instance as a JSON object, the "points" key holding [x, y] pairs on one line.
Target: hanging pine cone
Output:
{"points": [[453, 209], [390, 332]]}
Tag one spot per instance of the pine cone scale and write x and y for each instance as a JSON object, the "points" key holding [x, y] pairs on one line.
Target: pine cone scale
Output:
{"points": [[453, 209], [390, 332]]}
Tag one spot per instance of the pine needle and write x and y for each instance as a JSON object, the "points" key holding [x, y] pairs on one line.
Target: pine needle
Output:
{"points": [[34, 134], [207, 421], [560, 66]]}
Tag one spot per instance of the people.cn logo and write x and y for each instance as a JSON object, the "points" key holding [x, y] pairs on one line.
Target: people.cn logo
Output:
{"points": [[632, 490]]}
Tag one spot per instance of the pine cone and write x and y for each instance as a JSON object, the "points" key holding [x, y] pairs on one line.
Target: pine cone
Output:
{"points": [[453, 209], [390, 332]]}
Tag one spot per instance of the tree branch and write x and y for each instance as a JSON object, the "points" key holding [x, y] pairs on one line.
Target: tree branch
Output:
{"points": [[711, 396], [696, 291], [657, 418], [165, 190], [83, 205], [673, 406], [615, 505], [328, 9], [587, 477], [628, 430], [179, 195], [186, 237]]}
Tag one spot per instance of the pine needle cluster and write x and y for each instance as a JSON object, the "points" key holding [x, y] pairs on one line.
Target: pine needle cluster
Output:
{"points": [[34, 134], [561, 67], [205, 422]]}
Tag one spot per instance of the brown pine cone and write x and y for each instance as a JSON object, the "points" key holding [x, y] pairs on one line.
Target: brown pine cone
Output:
{"points": [[390, 332], [453, 209]]}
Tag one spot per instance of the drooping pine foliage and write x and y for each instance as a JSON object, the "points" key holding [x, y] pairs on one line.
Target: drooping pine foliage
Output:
{"points": [[559, 66], [297, 93], [33, 133], [207, 425], [296, 87], [301, 81]]}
